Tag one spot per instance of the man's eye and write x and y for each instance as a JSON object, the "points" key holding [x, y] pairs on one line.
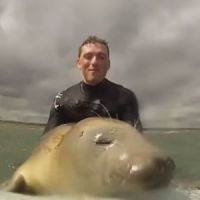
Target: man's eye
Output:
{"points": [[102, 56], [88, 56]]}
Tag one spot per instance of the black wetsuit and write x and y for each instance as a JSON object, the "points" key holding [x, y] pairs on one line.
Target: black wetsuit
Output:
{"points": [[106, 99]]}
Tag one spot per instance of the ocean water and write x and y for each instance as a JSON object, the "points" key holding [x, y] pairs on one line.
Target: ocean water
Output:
{"points": [[18, 140]]}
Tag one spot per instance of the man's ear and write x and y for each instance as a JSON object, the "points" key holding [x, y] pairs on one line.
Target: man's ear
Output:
{"points": [[78, 64]]}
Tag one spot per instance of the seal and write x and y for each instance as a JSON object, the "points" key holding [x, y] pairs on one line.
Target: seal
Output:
{"points": [[96, 156]]}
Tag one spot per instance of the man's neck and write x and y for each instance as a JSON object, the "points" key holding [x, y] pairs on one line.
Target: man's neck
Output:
{"points": [[93, 84]]}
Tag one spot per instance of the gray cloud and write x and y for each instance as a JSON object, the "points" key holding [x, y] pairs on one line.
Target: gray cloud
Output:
{"points": [[154, 51]]}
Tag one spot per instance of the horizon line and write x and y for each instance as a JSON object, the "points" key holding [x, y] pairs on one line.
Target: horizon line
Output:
{"points": [[146, 128]]}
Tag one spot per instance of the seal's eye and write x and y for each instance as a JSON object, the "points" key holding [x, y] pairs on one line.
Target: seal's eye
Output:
{"points": [[101, 140]]}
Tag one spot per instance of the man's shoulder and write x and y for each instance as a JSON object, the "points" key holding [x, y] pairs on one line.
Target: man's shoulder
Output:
{"points": [[113, 85], [63, 96], [72, 88], [69, 90], [122, 89]]}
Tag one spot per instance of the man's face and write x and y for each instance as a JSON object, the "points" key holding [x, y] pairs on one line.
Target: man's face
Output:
{"points": [[93, 63]]}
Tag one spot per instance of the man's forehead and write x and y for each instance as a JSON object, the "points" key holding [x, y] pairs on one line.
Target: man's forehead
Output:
{"points": [[94, 47]]}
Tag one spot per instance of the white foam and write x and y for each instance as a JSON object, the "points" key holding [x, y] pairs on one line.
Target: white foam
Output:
{"points": [[167, 194]]}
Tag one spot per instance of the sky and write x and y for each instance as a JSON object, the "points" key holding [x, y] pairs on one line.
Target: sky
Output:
{"points": [[155, 52]]}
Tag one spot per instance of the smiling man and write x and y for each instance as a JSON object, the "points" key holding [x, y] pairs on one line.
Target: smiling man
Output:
{"points": [[94, 95]]}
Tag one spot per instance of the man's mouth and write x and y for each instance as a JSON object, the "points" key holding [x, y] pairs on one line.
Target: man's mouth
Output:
{"points": [[93, 70]]}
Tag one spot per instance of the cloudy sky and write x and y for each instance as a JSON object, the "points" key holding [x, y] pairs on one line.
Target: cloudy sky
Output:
{"points": [[155, 51]]}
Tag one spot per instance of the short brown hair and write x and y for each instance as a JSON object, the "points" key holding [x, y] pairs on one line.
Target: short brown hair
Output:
{"points": [[93, 39]]}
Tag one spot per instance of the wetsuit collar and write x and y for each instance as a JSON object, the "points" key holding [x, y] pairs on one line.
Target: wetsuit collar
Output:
{"points": [[99, 85], [92, 89]]}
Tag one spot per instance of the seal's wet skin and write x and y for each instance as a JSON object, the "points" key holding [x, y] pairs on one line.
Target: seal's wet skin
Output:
{"points": [[95, 156]]}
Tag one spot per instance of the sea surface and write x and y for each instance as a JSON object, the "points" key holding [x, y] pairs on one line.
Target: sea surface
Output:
{"points": [[17, 141]]}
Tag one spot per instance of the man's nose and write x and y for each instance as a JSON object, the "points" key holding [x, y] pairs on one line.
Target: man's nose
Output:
{"points": [[94, 60]]}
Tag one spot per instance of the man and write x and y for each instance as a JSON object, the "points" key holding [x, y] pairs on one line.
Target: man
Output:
{"points": [[94, 95]]}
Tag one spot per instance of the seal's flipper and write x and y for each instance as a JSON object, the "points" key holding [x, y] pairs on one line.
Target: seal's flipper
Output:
{"points": [[19, 185]]}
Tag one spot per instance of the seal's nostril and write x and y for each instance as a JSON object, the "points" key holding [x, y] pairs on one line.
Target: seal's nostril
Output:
{"points": [[170, 163], [164, 165]]}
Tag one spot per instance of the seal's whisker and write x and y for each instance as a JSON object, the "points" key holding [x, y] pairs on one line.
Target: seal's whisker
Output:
{"points": [[96, 113], [106, 110], [136, 123]]}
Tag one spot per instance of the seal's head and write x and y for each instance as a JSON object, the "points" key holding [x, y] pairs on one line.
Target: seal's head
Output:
{"points": [[114, 156], [95, 156]]}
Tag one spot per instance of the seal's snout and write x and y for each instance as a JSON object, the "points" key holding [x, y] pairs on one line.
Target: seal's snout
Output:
{"points": [[164, 165], [164, 169], [149, 172], [155, 173]]}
